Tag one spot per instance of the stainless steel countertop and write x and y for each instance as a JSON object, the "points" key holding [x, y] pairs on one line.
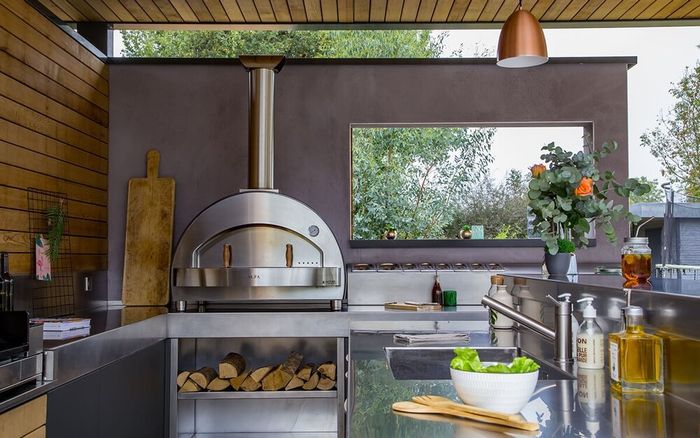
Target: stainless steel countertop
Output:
{"points": [[578, 408], [118, 332]]}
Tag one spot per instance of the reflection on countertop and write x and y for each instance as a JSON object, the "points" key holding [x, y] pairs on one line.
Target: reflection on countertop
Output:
{"points": [[584, 407]]}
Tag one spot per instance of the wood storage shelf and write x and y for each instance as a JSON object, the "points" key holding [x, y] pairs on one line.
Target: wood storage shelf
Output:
{"points": [[256, 395]]}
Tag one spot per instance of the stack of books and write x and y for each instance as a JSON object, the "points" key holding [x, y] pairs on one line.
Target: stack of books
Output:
{"points": [[63, 328]]}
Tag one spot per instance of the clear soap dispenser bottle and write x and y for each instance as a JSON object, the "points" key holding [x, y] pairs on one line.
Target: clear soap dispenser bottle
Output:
{"points": [[636, 357], [589, 340]]}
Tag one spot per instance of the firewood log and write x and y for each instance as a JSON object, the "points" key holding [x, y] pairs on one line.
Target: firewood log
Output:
{"points": [[327, 369], [305, 372], [203, 376], [283, 374], [190, 386], [218, 384], [237, 381], [325, 384], [182, 378], [249, 384], [231, 366], [260, 373], [313, 381], [295, 383]]}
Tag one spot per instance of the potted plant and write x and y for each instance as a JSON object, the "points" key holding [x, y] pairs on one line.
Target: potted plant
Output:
{"points": [[390, 233], [568, 192], [465, 232]]}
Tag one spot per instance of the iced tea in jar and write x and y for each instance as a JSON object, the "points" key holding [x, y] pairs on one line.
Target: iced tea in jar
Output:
{"points": [[636, 259]]}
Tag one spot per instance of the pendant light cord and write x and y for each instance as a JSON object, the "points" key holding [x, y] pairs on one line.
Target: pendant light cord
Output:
{"points": [[520, 5]]}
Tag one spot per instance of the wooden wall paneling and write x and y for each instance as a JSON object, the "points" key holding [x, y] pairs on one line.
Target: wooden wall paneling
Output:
{"points": [[216, 10], [377, 11], [588, 9], [235, 14], [507, 8], [136, 11], [201, 11], [21, 136], [442, 11], [668, 9], [86, 10], [425, 11], [686, 10], [16, 220], [153, 12], [313, 11], [21, 178], [30, 98], [104, 11], [296, 9], [604, 9], [459, 8], [120, 10], [23, 262], [555, 9], [361, 11], [329, 10], [22, 157], [21, 115], [18, 242], [490, 10], [50, 88], [24, 418], [281, 10], [474, 10], [185, 11], [56, 35], [620, 9], [30, 36], [168, 10], [57, 11], [43, 64], [637, 9], [652, 9], [67, 8], [393, 11], [346, 11], [266, 13], [15, 198]]}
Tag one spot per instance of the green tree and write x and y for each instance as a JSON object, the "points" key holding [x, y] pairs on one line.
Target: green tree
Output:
{"points": [[413, 178], [500, 206], [675, 141], [656, 194], [295, 44]]}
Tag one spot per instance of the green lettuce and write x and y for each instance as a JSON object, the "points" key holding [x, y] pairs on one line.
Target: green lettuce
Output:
{"points": [[467, 359]]}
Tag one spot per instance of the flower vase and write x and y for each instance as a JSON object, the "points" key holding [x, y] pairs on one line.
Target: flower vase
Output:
{"points": [[557, 264]]}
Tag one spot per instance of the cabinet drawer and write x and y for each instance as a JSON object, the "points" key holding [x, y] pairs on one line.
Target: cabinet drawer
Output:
{"points": [[39, 433], [24, 419]]}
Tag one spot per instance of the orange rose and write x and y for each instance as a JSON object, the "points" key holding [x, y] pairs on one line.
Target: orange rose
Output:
{"points": [[537, 170], [585, 187]]}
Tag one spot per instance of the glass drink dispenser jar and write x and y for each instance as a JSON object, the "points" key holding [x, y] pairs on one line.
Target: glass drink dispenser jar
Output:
{"points": [[636, 259]]}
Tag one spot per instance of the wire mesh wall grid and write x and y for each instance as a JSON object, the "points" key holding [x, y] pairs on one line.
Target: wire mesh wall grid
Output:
{"points": [[55, 297]]}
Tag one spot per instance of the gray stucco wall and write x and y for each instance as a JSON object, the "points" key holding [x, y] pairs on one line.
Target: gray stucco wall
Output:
{"points": [[196, 115]]}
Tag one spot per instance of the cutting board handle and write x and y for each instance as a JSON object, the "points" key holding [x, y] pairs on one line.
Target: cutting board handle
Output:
{"points": [[152, 163]]}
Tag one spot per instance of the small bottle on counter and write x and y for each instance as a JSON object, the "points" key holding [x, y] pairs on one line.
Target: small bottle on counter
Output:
{"points": [[589, 340], [502, 295], [636, 357], [437, 290]]}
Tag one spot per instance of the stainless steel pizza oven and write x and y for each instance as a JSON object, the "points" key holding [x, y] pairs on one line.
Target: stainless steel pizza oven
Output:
{"points": [[259, 246]]}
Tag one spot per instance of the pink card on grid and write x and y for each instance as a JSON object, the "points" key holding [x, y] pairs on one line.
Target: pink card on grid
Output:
{"points": [[43, 263]]}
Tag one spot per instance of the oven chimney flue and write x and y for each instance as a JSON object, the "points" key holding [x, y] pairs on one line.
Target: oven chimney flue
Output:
{"points": [[261, 141]]}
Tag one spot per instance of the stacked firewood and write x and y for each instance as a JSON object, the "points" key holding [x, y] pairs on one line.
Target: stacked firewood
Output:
{"points": [[233, 374]]}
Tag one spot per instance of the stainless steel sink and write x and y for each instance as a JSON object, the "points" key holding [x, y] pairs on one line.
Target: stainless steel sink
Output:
{"points": [[433, 363]]}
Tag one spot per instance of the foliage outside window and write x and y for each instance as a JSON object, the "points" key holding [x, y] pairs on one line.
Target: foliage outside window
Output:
{"points": [[432, 182]]}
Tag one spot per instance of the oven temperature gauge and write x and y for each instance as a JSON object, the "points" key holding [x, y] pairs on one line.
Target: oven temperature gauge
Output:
{"points": [[313, 231]]}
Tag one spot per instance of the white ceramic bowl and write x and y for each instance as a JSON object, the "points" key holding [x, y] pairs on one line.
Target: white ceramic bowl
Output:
{"points": [[507, 393]]}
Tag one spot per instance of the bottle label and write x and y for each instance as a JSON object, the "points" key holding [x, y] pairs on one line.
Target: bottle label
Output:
{"points": [[614, 363]]}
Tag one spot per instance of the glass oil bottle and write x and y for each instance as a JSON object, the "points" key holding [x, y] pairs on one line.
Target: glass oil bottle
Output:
{"points": [[636, 357]]}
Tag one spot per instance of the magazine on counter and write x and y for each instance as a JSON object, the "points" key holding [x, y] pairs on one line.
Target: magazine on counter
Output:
{"points": [[66, 334], [62, 324]]}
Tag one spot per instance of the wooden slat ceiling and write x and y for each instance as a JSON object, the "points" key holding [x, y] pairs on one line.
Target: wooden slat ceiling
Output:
{"points": [[365, 11]]}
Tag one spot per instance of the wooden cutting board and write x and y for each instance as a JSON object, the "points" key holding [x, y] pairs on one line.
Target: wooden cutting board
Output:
{"points": [[416, 307], [149, 237]]}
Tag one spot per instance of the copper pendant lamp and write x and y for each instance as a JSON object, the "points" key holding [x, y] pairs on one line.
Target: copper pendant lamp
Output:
{"points": [[521, 43]]}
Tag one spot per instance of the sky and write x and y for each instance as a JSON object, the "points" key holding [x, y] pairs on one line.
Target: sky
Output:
{"points": [[662, 55]]}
